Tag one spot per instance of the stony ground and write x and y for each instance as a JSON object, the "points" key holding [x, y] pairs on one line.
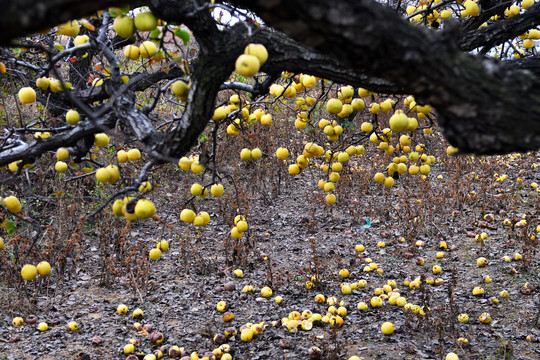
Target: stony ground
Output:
{"points": [[300, 237]]}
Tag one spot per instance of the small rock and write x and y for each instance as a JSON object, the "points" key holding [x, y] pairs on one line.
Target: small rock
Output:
{"points": [[97, 340]]}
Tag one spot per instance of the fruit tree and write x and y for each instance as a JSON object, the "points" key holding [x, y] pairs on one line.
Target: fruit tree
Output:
{"points": [[470, 67], [140, 139], [382, 48]]}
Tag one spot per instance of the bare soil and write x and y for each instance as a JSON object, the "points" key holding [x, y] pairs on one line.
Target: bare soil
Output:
{"points": [[293, 236]]}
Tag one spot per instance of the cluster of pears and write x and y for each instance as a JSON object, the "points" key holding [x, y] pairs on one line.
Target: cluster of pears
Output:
{"points": [[249, 63], [303, 160], [246, 118], [419, 161], [299, 83], [61, 154], [305, 320], [421, 111], [332, 130], [434, 17], [124, 156], [289, 92], [332, 163], [471, 8], [125, 27], [14, 166], [400, 123], [147, 49], [132, 208], [31, 320], [157, 338], [108, 174], [161, 247], [29, 272], [198, 219], [332, 166], [52, 84], [249, 330], [296, 321], [191, 164], [27, 95], [528, 39], [200, 191], [247, 154], [344, 104], [303, 103], [240, 227]]}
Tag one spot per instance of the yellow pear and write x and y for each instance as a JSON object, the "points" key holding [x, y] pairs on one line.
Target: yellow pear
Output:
{"points": [[71, 28], [145, 21], [101, 140], [180, 89], [72, 117], [80, 39], [27, 95], [12, 204], [131, 52], [147, 49], [257, 50], [247, 65], [28, 272], [124, 26], [43, 83], [43, 268], [145, 209]]}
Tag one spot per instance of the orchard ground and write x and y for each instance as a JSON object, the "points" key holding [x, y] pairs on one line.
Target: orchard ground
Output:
{"points": [[356, 215], [293, 236]]}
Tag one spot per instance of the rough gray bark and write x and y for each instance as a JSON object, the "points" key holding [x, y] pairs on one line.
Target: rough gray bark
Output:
{"points": [[477, 100], [499, 32], [24, 17]]}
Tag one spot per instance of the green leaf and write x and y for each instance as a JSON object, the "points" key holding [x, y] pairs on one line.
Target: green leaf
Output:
{"points": [[59, 46], [182, 34], [11, 226], [154, 35], [114, 12]]}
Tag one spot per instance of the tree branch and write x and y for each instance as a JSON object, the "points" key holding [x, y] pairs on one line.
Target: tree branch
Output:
{"points": [[477, 99], [501, 31], [23, 17]]}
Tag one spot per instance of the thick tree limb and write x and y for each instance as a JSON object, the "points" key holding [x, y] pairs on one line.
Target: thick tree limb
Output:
{"points": [[501, 31], [30, 152], [478, 100], [139, 82], [23, 17], [531, 64]]}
